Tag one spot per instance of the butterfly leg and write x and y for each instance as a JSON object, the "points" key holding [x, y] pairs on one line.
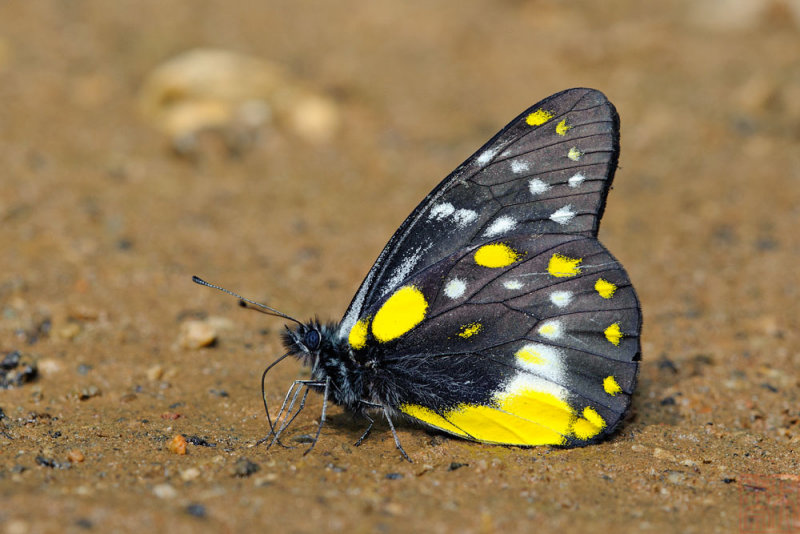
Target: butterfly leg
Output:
{"points": [[394, 434], [287, 409], [322, 416], [287, 421], [366, 432]]}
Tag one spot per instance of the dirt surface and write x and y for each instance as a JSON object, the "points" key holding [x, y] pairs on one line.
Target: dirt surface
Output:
{"points": [[104, 218]]}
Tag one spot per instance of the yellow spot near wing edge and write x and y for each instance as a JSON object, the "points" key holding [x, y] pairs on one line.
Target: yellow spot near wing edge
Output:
{"points": [[401, 312], [613, 334], [562, 266], [469, 330], [589, 425], [539, 117], [605, 288], [496, 255], [574, 154], [611, 386], [562, 127], [358, 334]]}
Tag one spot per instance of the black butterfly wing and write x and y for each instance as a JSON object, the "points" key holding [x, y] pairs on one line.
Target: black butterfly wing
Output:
{"points": [[548, 171], [512, 325]]}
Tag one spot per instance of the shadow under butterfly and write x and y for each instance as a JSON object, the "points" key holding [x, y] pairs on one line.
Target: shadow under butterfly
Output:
{"points": [[493, 313]]}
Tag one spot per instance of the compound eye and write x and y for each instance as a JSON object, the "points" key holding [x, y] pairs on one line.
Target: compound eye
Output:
{"points": [[311, 340]]}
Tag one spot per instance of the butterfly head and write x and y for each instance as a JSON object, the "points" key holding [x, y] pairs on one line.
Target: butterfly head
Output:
{"points": [[309, 341]]}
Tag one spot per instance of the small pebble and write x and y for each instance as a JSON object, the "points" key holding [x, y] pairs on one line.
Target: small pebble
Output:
{"points": [[394, 476], [197, 334], [196, 510], [177, 445], [50, 367], [75, 456], [155, 372], [69, 331], [165, 491], [190, 474], [89, 392], [244, 468]]}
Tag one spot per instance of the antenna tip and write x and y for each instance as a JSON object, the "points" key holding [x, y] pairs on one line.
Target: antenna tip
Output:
{"points": [[198, 280]]}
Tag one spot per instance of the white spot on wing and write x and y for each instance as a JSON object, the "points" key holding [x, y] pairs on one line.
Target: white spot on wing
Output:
{"points": [[542, 360], [455, 288], [550, 330], [525, 381], [518, 166], [487, 156], [537, 187], [501, 225], [563, 215], [561, 298], [576, 180], [512, 284], [440, 211], [464, 217]]}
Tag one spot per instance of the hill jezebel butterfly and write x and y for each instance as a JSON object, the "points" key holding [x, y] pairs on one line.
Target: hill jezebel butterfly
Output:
{"points": [[493, 314]]}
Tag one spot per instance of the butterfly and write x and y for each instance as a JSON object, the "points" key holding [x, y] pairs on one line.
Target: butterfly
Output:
{"points": [[493, 313]]}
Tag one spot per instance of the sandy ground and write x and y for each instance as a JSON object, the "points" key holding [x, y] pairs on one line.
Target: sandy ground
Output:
{"points": [[102, 223]]}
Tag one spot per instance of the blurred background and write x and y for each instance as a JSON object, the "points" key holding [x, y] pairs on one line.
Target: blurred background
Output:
{"points": [[274, 147]]}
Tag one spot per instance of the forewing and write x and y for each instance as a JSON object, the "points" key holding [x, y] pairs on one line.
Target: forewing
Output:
{"points": [[547, 172], [526, 340]]}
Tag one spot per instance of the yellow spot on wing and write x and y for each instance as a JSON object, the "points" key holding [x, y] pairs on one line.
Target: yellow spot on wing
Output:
{"points": [[562, 266], [401, 312], [527, 355], [469, 330], [605, 288], [562, 127], [430, 417], [496, 255], [574, 154], [611, 386], [358, 334], [589, 425], [539, 117], [613, 334]]}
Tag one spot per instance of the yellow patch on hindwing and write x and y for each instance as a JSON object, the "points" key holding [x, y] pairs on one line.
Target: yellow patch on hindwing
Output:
{"points": [[496, 255], [562, 266], [590, 425], [401, 312], [426, 415], [539, 117], [521, 415]]}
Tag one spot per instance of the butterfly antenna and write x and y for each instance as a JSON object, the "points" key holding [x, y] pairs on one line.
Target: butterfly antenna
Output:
{"points": [[246, 303]]}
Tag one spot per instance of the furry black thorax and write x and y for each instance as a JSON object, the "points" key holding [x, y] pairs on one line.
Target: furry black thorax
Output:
{"points": [[330, 357]]}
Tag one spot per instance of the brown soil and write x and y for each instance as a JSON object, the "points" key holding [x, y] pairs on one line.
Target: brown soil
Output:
{"points": [[102, 225]]}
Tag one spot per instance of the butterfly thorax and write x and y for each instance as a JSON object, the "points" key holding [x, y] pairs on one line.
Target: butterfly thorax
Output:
{"points": [[329, 357]]}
